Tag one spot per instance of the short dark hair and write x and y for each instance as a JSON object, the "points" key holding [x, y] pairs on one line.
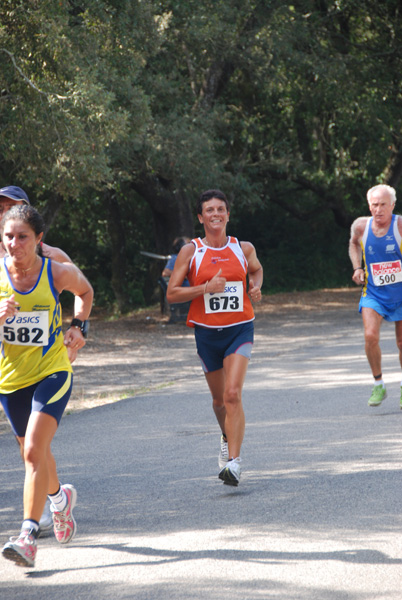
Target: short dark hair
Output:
{"points": [[27, 214], [208, 195], [178, 244]]}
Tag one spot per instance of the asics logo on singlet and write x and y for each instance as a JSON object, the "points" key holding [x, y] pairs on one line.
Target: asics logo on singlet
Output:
{"points": [[231, 289], [18, 320], [390, 248]]}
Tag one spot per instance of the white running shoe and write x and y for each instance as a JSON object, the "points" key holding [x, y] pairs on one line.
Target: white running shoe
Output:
{"points": [[22, 549], [64, 523], [223, 453], [46, 521], [230, 474]]}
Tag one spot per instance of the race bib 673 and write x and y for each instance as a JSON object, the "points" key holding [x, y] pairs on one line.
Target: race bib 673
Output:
{"points": [[231, 300]]}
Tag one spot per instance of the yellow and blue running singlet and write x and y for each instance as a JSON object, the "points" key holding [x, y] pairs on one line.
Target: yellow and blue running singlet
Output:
{"points": [[32, 341]]}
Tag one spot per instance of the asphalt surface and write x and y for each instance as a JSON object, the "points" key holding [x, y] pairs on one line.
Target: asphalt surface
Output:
{"points": [[317, 514]]}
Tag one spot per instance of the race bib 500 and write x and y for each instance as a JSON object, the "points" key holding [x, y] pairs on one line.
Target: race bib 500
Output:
{"points": [[386, 273]]}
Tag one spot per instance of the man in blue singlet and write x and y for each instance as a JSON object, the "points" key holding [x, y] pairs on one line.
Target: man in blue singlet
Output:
{"points": [[375, 251]]}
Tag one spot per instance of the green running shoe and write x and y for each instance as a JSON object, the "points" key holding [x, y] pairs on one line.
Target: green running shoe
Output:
{"points": [[378, 394]]}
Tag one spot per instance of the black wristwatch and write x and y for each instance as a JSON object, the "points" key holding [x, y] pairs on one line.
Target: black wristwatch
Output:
{"points": [[83, 326]]}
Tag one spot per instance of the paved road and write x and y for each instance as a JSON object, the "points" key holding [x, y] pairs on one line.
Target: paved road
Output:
{"points": [[317, 514]]}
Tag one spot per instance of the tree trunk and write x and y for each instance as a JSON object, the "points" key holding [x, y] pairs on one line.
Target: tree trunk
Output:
{"points": [[172, 217], [50, 210], [393, 171], [171, 212], [119, 253]]}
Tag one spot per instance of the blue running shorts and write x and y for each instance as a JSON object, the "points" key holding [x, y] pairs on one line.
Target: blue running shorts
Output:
{"points": [[390, 312], [213, 345], [49, 396]]}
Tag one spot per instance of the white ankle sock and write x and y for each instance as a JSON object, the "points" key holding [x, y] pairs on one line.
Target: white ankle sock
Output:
{"points": [[58, 500], [29, 524]]}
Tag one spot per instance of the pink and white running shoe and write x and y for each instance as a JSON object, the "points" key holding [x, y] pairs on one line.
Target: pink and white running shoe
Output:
{"points": [[64, 524], [22, 549]]}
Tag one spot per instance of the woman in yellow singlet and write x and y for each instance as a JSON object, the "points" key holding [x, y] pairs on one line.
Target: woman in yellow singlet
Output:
{"points": [[35, 369]]}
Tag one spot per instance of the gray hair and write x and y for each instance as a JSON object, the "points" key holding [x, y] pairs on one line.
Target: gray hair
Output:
{"points": [[384, 188]]}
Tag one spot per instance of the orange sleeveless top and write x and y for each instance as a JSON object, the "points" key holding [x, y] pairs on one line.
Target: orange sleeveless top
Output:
{"points": [[231, 307]]}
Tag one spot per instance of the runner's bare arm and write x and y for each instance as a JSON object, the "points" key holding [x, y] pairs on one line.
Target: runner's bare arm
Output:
{"points": [[68, 277], [355, 249], [255, 271], [73, 337], [176, 292], [55, 254]]}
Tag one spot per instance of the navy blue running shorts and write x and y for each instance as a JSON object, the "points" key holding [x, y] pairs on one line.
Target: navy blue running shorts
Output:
{"points": [[213, 345], [49, 396]]}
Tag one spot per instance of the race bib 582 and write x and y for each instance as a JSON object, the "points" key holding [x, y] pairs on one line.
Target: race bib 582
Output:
{"points": [[26, 329]]}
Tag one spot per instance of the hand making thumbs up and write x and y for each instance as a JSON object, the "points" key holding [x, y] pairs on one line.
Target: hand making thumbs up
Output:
{"points": [[216, 284]]}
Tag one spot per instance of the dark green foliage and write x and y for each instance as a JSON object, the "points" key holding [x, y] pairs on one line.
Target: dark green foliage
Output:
{"points": [[116, 114], [295, 255]]}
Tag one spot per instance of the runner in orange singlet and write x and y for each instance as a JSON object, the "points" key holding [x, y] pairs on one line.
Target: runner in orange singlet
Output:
{"points": [[217, 267]]}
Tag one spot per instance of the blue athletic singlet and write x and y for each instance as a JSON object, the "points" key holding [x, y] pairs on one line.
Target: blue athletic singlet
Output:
{"points": [[383, 264]]}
